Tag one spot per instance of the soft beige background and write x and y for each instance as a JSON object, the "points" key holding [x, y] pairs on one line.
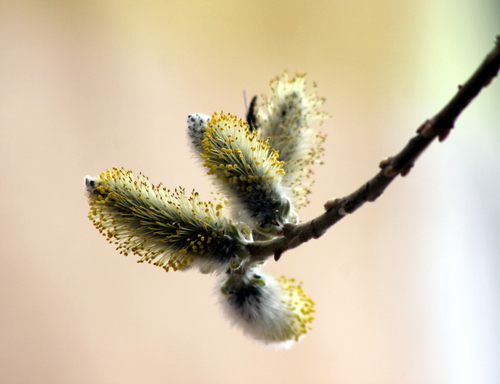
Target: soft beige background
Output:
{"points": [[407, 289]]}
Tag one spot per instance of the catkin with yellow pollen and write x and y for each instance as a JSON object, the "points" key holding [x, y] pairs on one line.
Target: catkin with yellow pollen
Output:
{"points": [[248, 171], [286, 123], [170, 229]]}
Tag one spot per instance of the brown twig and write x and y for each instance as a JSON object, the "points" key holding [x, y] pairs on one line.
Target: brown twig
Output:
{"points": [[335, 209]]}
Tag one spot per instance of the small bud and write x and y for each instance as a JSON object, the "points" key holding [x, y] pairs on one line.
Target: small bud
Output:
{"points": [[385, 162], [390, 171], [423, 125], [444, 134], [330, 203], [405, 171], [428, 130]]}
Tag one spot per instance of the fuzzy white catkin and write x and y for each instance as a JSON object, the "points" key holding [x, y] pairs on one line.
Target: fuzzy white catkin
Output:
{"points": [[285, 119], [274, 311]]}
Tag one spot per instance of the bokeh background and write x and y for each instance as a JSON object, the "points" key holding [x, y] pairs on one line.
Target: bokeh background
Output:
{"points": [[407, 289]]}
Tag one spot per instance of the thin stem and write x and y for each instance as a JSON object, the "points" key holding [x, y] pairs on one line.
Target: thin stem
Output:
{"points": [[336, 209]]}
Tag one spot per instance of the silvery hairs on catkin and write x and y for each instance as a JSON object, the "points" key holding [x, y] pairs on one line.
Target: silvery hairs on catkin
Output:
{"points": [[170, 229], [263, 171], [247, 171]]}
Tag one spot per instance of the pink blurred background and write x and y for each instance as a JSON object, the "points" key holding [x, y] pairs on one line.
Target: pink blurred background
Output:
{"points": [[407, 289]]}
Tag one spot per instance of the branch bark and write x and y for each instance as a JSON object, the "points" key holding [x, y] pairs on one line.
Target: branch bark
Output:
{"points": [[336, 209]]}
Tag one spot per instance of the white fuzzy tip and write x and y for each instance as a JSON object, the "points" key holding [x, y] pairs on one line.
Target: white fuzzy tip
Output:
{"points": [[90, 183], [196, 128]]}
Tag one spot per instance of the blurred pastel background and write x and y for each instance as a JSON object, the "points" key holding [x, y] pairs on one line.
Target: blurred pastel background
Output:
{"points": [[407, 289]]}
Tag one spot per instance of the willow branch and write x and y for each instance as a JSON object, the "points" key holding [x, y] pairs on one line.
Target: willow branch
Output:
{"points": [[336, 209]]}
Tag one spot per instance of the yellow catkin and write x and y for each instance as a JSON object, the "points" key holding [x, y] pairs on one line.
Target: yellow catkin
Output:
{"points": [[156, 224], [247, 169]]}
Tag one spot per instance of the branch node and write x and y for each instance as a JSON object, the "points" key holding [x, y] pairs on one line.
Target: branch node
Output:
{"points": [[488, 81], [330, 204], [342, 212], [422, 126], [316, 234], [385, 162], [287, 228], [374, 197], [428, 130], [295, 242], [444, 134], [390, 171], [406, 170]]}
